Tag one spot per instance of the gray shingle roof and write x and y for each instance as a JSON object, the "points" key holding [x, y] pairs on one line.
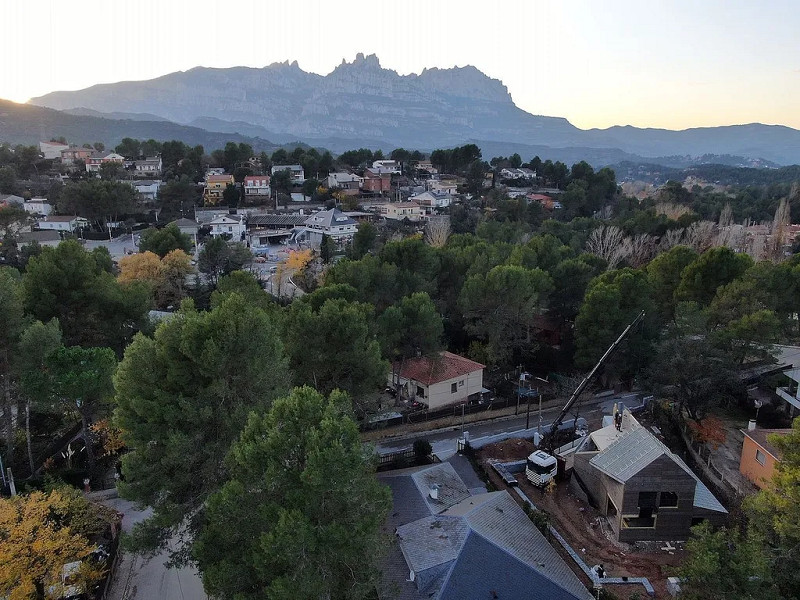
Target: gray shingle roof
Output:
{"points": [[329, 218], [451, 489], [275, 220], [432, 541], [703, 498], [467, 578]]}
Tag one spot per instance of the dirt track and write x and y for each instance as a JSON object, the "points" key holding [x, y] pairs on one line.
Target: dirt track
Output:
{"points": [[588, 532]]}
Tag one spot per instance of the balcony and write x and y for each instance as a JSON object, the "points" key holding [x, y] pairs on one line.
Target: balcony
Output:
{"points": [[784, 393]]}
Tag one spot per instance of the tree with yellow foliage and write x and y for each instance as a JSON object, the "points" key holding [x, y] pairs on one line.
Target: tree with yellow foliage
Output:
{"points": [[299, 259], [145, 266], [39, 534], [165, 275]]}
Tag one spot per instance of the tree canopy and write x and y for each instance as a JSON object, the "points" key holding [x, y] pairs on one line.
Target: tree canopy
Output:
{"points": [[302, 507]]}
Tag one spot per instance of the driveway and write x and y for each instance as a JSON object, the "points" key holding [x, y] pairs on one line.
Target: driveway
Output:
{"points": [[142, 578]]}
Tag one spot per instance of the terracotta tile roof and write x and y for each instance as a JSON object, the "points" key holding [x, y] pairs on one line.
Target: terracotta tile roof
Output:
{"points": [[428, 370], [759, 436]]}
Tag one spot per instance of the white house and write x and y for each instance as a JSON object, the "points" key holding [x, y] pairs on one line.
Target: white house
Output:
{"points": [[96, 160], [432, 199], [147, 188], [229, 225], [37, 206], [401, 210], [349, 183], [149, 166], [51, 150], [59, 223], [439, 380], [43, 238], [441, 186], [296, 172], [256, 185], [512, 173], [333, 223], [387, 166]]}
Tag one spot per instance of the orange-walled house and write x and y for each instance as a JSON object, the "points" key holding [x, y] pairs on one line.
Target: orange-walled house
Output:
{"points": [[759, 457]]}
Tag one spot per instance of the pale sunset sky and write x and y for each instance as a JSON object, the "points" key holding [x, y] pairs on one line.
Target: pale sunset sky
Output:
{"points": [[650, 63]]}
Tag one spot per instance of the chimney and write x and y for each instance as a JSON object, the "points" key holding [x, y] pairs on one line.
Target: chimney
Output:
{"points": [[434, 491], [751, 425]]}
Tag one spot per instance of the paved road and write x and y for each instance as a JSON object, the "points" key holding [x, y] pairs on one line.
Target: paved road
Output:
{"points": [[145, 579], [444, 441]]}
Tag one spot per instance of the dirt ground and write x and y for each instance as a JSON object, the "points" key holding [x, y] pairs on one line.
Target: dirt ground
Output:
{"points": [[587, 531]]}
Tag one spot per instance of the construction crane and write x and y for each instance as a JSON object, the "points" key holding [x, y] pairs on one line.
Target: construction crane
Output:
{"points": [[542, 466]]}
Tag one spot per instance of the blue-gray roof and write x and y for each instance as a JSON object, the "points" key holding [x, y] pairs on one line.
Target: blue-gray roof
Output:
{"points": [[513, 579], [451, 489]]}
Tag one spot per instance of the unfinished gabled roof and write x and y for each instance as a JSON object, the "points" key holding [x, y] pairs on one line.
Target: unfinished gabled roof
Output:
{"points": [[429, 370], [629, 454], [636, 448]]}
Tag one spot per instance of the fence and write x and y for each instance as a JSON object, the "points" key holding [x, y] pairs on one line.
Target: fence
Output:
{"points": [[701, 454]]}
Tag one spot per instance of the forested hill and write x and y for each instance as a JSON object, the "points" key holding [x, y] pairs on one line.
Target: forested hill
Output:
{"points": [[28, 124], [713, 173]]}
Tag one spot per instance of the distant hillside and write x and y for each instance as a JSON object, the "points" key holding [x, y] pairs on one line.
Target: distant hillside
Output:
{"points": [[713, 173], [27, 124], [362, 102]]}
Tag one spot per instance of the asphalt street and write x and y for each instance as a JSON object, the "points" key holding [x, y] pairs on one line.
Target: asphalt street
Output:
{"points": [[444, 441], [146, 579]]}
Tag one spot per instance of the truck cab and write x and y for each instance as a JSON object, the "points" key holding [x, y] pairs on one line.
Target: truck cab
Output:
{"points": [[541, 468]]}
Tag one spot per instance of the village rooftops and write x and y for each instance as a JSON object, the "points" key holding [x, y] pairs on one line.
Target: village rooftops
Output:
{"points": [[329, 218], [429, 370], [214, 178]]}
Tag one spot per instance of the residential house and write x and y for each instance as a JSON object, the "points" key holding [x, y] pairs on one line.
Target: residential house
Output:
{"points": [[377, 181], [62, 223], [789, 356], [295, 171], [43, 238], [12, 200], [349, 183], [438, 380], [388, 166], [97, 159], [426, 166], [333, 223], [148, 167], [37, 206], [759, 455], [52, 150], [454, 542], [522, 173], [256, 187], [399, 211], [147, 188], [646, 492], [71, 154], [188, 227], [442, 186], [215, 188], [231, 227], [431, 200]]}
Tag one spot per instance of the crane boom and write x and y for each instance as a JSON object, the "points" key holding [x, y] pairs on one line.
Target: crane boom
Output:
{"points": [[582, 385]]}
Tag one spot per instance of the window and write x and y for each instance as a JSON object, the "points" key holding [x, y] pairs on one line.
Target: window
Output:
{"points": [[420, 391], [461, 383], [668, 500], [453, 388], [760, 457]]}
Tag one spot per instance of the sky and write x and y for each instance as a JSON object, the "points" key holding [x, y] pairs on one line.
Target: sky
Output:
{"points": [[650, 63]]}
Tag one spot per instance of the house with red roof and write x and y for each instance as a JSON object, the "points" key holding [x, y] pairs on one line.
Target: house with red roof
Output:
{"points": [[439, 380]]}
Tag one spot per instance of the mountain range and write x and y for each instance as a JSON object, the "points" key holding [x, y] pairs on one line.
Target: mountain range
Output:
{"points": [[361, 103]]}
